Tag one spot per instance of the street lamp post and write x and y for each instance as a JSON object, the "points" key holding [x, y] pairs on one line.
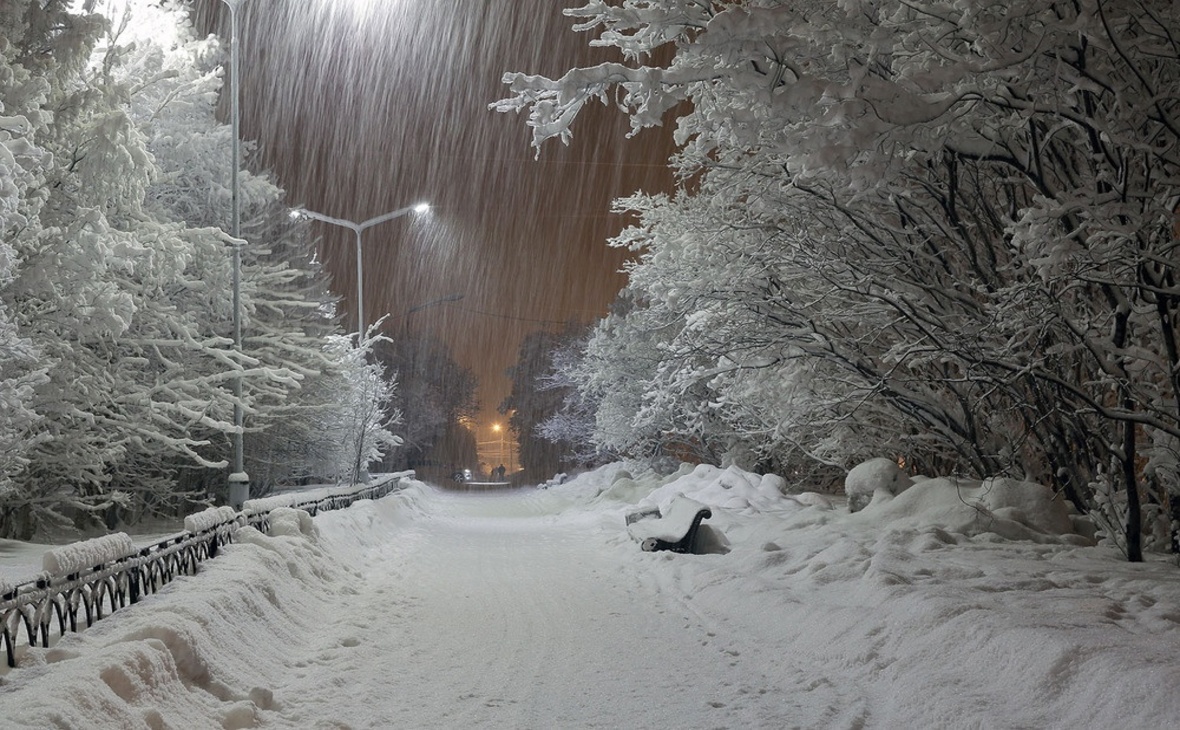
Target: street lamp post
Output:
{"points": [[239, 481], [358, 229]]}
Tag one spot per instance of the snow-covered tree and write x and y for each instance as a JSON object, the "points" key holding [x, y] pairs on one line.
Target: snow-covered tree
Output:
{"points": [[22, 170], [364, 417], [287, 309], [115, 307], [435, 395], [538, 397], [967, 211]]}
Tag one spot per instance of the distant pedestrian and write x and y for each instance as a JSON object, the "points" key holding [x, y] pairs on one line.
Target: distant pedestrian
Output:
{"points": [[499, 473]]}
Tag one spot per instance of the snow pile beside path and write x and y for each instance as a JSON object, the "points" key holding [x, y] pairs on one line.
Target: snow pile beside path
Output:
{"points": [[208, 518], [875, 475], [729, 489], [303, 496], [80, 556], [626, 482], [953, 604], [207, 649], [997, 508]]}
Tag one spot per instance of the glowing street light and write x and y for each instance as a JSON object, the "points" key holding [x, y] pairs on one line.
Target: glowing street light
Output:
{"points": [[358, 229], [500, 430]]}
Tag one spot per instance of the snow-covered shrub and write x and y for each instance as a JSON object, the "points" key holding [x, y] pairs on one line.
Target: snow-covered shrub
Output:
{"points": [[1005, 509], [1028, 503], [867, 478]]}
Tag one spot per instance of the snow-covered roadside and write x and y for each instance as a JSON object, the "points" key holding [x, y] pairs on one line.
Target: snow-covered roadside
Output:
{"points": [[923, 604], [535, 609]]}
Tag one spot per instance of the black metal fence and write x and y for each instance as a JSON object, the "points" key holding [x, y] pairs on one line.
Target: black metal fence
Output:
{"points": [[49, 606]]}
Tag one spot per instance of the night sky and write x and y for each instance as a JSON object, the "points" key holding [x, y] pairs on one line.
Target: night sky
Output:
{"points": [[361, 108]]}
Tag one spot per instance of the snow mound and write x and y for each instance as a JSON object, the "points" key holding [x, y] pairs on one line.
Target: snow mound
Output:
{"points": [[201, 655], [79, 556], [625, 482], [998, 507], [672, 526], [208, 519], [866, 479], [730, 488], [292, 523]]}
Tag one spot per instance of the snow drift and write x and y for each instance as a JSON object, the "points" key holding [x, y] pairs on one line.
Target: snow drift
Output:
{"points": [[950, 604]]}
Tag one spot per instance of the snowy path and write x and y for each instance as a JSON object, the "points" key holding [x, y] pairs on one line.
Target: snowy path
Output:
{"points": [[533, 609], [526, 622]]}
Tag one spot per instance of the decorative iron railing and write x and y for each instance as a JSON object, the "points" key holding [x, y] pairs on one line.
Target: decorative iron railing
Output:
{"points": [[50, 605]]}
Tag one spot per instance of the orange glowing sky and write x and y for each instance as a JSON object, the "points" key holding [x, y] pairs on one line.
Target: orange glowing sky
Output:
{"points": [[363, 113]]}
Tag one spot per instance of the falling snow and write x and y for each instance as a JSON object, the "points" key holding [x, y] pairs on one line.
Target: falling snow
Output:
{"points": [[363, 108]]}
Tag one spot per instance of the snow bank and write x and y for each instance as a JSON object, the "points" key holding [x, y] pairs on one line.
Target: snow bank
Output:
{"points": [[917, 611], [866, 479], [997, 508], [303, 496], [208, 519], [292, 522], [79, 556], [206, 651], [730, 489]]}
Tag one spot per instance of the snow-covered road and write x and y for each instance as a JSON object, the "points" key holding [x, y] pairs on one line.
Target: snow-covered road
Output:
{"points": [[491, 611]]}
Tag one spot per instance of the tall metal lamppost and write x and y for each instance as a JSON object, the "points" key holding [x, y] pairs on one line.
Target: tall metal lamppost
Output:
{"points": [[239, 481], [358, 229]]}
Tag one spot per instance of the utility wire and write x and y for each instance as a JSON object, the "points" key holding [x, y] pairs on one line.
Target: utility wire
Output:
{"points": [[510, 317]]}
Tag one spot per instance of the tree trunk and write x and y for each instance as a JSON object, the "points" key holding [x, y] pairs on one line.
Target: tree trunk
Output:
{"points": [[1134, 511]]}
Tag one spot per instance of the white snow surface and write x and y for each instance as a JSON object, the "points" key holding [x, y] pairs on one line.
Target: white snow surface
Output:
{"points": [[535, 609], [77, 556], [208, 518], [866, 478], [672, 525]]}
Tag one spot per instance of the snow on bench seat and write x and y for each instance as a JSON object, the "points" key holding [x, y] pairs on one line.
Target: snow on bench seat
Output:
{"points": [[675, 529]]}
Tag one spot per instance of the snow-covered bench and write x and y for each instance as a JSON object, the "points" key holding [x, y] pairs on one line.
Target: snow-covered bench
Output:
{"points": [[673, 529]]}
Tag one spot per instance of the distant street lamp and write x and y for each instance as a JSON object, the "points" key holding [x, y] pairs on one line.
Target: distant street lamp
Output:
{"points": [[358, 229], [239, 481], [500, 430]]}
